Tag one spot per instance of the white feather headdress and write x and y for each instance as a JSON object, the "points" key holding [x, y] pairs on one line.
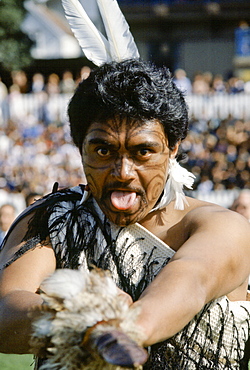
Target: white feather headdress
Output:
{"points": [[119, 44]]}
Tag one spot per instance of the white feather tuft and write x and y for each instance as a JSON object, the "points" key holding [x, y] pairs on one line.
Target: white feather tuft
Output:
{"points": [[43, 326], [64, 283], [94, 45], [178, 177], [95, 306]]}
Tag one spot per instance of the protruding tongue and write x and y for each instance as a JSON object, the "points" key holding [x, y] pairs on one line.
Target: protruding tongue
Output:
{"points": [[123, 199]]}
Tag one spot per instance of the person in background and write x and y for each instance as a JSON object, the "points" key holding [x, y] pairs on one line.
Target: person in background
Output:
{"points": [[38, 83], [67, 84], [242, 204], [200, 85], [32, 197], [19, 81], [85, 71], [7, 216], [53, 84], [182, 81], [3, 90]]}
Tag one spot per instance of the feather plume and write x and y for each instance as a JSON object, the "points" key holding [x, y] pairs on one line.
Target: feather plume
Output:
{"points": [[86, 324], [178, 177], [120, 44], [94, 45], [121, 41]]}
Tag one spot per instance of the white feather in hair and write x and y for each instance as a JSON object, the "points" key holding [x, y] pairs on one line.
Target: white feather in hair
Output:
{"points": [[121, 41], [94, 45], [120, 44]]}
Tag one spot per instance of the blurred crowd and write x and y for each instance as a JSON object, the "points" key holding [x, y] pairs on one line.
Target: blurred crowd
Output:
{"points": [[205, 83], [218, 153], [36, 149]]}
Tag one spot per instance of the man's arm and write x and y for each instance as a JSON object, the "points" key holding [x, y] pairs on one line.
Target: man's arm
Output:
{"points": [[214, 261], [19, 283]]}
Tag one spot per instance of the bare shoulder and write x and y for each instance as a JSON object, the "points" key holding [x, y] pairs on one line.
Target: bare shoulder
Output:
{"points": [[207, 221], [14, 239], [224, 224], [37, 262], [199, 218], [202, 214]]}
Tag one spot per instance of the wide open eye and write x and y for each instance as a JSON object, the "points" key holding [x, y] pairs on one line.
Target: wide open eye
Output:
{"points": [[144, 153], [103, 152]]}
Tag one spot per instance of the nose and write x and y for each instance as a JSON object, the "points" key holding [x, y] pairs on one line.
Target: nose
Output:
{"points": [[124, 169]]}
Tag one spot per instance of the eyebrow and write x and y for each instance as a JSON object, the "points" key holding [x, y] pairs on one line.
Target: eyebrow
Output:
{"points": [[99, 141], [147, 144], [151, 144], [144, 145]]}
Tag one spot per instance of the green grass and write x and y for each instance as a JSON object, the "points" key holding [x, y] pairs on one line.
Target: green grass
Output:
{"points": [[16, 362], [21, 362]]}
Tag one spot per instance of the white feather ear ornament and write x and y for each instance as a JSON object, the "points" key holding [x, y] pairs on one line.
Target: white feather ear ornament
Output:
{"points": [[119, 44], [178, 177]]}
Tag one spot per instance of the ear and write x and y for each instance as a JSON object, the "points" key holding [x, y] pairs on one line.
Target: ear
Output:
{"points": [[174, 151]]}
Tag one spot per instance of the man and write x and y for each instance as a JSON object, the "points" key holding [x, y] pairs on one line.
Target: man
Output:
{"points": [[241, 204], [184, 262], [7, 216], [32, 197]]}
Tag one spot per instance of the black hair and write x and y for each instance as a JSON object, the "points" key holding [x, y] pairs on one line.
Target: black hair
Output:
{"points": [[131, 89]]}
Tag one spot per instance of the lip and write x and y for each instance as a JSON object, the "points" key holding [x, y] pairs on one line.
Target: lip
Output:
{"points": [[128, 189], [109, 190]]}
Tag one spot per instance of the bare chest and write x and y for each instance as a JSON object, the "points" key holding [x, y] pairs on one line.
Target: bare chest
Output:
{"points": [[171, 230]]}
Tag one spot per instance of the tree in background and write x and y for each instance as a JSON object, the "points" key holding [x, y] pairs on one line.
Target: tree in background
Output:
{"points": [[14, 44]]}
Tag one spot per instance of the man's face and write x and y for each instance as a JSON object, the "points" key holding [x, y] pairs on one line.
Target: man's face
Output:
{"points": [[126, 167]]}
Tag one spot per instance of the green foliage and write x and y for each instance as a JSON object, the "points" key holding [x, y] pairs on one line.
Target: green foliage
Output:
{"points": [[14, 44]]}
